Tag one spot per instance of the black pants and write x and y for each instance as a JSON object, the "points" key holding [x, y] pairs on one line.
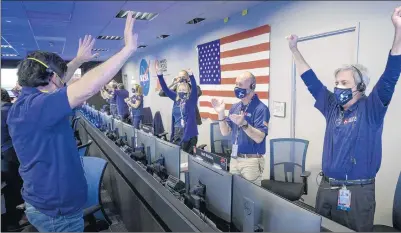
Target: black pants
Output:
{"points": [[189, 145], [12, 192], [363, 204], [186, 146]]}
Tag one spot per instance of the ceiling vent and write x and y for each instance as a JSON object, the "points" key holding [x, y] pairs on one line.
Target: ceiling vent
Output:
{"points": [[100, 50], [109, 38], [142, 46], [195, 20], [137, 15], [162, 36]]}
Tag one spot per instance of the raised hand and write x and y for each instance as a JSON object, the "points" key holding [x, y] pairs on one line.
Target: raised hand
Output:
{"points": [[218, 105], [292, 41], [238, 119], [84, 53], [396, 18], [130, 38], [190, 71]]}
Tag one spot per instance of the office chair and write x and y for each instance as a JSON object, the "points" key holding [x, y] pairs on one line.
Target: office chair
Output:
{"points": [[396, 212], [147, 116], [288, 177], [83, 150], [94, 213], [158, 127]]}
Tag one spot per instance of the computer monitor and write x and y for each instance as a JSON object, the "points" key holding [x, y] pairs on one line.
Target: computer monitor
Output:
{"points": [[149, 141], [218, 186], [108, 122], [253, 205], [171, 154], [128, 130]]}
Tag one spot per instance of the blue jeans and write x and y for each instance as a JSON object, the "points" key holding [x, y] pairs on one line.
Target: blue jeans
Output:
{"points": [[44, 223]]}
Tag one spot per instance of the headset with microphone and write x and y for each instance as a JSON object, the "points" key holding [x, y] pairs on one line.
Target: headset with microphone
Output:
{"points": [[361, 87]]}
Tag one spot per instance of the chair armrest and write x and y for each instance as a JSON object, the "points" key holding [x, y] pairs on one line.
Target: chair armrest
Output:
{"points": [[162, 134], [92, 210], [305, 174], [85, 145], [202, 146]]}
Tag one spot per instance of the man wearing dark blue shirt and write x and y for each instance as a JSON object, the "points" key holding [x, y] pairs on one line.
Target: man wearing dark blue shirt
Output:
{"points": [[55, 188], [352, 149], [122, 107], [248, 124]]}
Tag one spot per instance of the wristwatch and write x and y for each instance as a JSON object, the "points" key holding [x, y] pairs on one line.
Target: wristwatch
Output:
{"points": [[245, 126]]}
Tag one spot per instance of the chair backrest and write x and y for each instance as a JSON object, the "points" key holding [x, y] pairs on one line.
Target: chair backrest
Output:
{"points": [[75, 122], [219, 144], [147, 116], [287, 159], [158, 124], [94, 169], [83, 150], [397, 206]]}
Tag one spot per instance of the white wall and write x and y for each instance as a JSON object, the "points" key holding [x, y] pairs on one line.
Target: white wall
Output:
{"points": [[302, 18]]}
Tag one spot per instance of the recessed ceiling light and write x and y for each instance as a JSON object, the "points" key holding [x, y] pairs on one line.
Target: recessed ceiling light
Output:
{"points": [[109, 38], [8, 21], [6, 46], [100, 50], [8, 55], [142, 46], [137, 15], [195, 20], [162, 36]]}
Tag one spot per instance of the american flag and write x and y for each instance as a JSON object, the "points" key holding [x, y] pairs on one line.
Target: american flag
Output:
{"points": [[221, 61]]}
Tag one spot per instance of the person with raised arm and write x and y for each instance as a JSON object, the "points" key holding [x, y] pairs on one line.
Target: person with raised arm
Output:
{"points": [[184, 130], [352, 150], [55, 188], [136, 105]]}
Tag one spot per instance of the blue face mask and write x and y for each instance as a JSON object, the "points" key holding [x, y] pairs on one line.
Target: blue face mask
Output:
{"points": [[240, 93], [343, 95], [182, 95], [133, 91]]}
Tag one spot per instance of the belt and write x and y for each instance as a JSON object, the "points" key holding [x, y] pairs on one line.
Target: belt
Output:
{"points": [[246, 156], [334, 182]]}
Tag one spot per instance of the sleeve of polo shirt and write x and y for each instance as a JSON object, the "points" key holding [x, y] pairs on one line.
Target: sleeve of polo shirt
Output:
{"points": [[262, 120], [47, 109], [381, 94], [325, 100]]}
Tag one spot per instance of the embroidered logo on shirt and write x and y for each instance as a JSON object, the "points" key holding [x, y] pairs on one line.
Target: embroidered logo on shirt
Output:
{"points": [[350, 120]]}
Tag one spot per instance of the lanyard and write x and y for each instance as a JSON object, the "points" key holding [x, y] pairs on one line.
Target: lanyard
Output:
{"points": [[246, 109], [182, 106]]}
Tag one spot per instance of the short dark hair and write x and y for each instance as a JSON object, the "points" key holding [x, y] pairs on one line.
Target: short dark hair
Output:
{"points": [[120, 86], [5, 97], [33, 74]]}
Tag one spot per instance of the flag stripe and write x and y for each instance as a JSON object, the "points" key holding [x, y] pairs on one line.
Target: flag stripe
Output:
{"points": [[209, 104], [246, 50], [245, 34], [212, 116], [246, 58], [265, 79], [230, 87], [235, 73], [262, 95], [227, 100], [263, 38], [246, 65]]}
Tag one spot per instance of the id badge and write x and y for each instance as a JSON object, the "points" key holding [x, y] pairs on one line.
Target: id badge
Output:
{"points": [[234, 151], [182, 123], [344, 199]]}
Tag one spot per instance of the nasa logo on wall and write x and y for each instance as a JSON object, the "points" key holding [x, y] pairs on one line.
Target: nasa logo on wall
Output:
{"points": [[144, 77]]}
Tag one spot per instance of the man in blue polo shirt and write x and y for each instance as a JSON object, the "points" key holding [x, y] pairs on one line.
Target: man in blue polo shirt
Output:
{"points": [[122, 107], [352, 149], [248, 124], [55, 188]]}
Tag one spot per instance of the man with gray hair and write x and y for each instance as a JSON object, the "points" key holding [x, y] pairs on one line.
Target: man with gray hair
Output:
{"points": [[352, 149]]}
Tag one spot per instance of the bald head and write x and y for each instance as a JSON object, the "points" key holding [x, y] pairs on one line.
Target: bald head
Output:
{"points": [[245, 80]]}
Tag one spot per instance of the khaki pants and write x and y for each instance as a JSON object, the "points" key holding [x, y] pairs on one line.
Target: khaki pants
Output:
{"points": [[249, 168]]}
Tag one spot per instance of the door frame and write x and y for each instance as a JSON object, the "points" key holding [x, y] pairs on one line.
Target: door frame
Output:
{"points": [[355, 28]]}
